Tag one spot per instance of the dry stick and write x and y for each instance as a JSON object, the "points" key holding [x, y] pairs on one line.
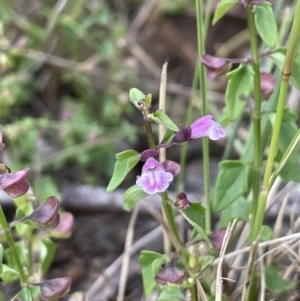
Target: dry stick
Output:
{"points": [[115, 266], [250, 266], [161, 133], [262, 279], [278, 225], [221, 258], [126, 254]]}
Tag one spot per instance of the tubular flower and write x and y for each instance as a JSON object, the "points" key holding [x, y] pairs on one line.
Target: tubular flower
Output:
{"points": [[215, 66], [154, 178], [203, 126]]}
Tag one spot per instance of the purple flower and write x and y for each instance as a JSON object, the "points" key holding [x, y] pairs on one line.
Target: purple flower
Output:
{"points": [[154, 178], [215, 66], [203, 126]]}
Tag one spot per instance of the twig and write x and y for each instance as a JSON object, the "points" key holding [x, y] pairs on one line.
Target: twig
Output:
{"points": [[126, 254], [221, 259]]}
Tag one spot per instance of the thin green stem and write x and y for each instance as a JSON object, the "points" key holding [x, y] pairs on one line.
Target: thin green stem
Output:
{"points": [[11, 244], [30, 251], [257, 162], [205, 145], [285, 75], [188, 119]]}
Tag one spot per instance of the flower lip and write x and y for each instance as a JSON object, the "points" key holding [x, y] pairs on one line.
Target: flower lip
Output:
{"points": [[154, 178]]}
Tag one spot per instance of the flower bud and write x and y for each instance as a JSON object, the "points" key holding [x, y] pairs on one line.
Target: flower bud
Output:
{"points": [[267, 84], [56, 288], [149, 153], [64, 228], [170, 274], [216, 238], [215, 66], [15, 184], [78, 296], [46, 214], [172, 167], [181, 201]]}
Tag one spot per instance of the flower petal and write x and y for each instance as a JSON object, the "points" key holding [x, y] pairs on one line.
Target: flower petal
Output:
{"points": [[154, 178], [201, 127], [216, 131]]}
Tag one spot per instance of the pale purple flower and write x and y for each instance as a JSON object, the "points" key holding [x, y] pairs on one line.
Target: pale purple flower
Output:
{"points": [[154, 178], [215, 66], [203, 126]]}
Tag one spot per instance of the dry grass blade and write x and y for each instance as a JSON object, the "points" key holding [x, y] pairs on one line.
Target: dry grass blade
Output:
{"points": [[126, 254], [249, 271], [221, 258]]}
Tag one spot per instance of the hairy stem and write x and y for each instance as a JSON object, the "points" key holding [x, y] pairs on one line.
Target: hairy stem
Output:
{"points": [[205, 145], [285, 75], [11, 243], [257, 107]]}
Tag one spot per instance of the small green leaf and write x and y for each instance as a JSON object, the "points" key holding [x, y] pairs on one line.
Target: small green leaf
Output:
{"points": [[239, 209], [289, 128], [171, 293], [274, 282], [238, 89], [266, 233], [133, 161], [122, 167], [26, 293], [232, 182], [8, 274], [278, 57], [164, 119], [222, 8], [151, 263], [131, 196], [266, 24], [194, 215], [135, 95], [47, 252], [296, 70], [126, 154], [168, 137]]}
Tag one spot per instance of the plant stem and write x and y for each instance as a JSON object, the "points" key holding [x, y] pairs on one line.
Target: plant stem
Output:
{"points": [[188, 119], [11, 243], [257, 108], [285, 75], [205, 145]]}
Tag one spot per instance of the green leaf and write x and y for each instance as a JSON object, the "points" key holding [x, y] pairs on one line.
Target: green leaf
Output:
{"points": [[151, 263], [26, 293], [168, 137], [126, 154], [164, 119], [266, 233], [135, 95], [274, 282], [289, 128], [123, 166], [194, 215], [47, 252], [171, 293], [232, 182], [222, 8], [239, 209], [278, 57], [296, 70], [8, 274], [131, 196], [266, 24], [238, 89]]}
